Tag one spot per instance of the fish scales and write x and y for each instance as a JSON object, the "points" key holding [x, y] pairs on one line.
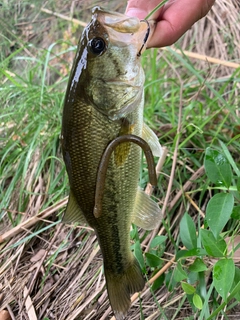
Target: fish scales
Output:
{"points": [[104, 99]]}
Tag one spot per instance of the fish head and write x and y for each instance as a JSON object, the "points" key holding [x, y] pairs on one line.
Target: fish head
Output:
{"points": [[108, 67]]}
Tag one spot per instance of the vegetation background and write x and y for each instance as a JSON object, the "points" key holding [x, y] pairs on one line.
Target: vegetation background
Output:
{"points": [[54, 271]]}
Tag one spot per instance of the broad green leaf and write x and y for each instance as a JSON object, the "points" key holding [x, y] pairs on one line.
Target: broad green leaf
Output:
{"points": [[198, 266], [214, 247], [197, 301], [188, 232], [217, 168], [218, 212], [187, 288], [157, 241], [190, 253], [152, 260], [139, 255], [223, 275], [230, 158], [170, 281], [134, 233], [193, 277], [235, 282], [236, 213], [158, 282], [179, 273]]}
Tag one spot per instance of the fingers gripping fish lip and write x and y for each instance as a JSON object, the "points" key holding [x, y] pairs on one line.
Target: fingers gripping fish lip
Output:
{"points": [[102, 170]]}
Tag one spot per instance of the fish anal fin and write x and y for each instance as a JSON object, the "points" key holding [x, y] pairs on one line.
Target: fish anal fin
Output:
{"points": [[73, 212], [150, 137], [121, 286], [147, 213]]}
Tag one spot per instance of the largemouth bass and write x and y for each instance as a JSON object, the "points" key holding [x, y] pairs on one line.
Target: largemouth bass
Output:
{"points": [[104, 101]]}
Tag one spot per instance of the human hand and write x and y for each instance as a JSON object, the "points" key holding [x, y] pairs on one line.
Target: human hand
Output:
{"points": [[173, 19]]}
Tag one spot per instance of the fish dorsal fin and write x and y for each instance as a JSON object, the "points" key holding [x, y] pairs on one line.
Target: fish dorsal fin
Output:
{"points": [[73, 212], [150, 137], [147, 213]]}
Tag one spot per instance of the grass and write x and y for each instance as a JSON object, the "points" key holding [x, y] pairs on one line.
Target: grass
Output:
{"points": [[192, 105]]}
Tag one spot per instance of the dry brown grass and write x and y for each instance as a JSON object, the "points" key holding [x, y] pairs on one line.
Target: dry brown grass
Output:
{"points": [[58, 273]]}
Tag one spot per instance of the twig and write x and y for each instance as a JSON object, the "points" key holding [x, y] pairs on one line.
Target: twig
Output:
{"points": [[10, 312], [149, 188], [29, 305], [203, 57], [194, 204], [186, 186], [28, 290], [33, 220], [59, 15]]}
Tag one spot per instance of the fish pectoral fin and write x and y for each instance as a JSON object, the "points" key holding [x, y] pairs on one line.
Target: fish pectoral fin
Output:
{"points": [[73, 212], [147, 213], [121, 286], [150, 137]]}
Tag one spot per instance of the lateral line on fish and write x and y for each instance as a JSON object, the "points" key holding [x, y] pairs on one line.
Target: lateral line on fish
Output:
{"points": [[102, 169]]}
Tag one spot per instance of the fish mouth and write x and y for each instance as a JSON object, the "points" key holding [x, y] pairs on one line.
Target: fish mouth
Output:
{"points": [[117, 21], [125, 30]]}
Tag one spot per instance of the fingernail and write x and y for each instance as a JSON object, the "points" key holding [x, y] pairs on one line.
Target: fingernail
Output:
{"points": [[135, 12]]}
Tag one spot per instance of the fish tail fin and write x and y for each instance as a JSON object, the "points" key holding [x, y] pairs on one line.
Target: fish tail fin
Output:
{"points": [[121, 286]]}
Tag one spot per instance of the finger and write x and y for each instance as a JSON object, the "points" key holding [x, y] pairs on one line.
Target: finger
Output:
{"points": [[141, 8], [177, 19]]}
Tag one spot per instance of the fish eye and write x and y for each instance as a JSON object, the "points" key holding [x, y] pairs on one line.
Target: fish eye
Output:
{"points": [[97, 45]]}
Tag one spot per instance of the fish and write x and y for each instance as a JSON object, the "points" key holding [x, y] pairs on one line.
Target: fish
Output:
{"points": [[102, 127]]}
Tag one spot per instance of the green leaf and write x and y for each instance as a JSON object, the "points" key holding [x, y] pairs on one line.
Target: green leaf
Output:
{"points": [[187, 288], [170, 281], [230, 158], [198, 266], [214, 247], [235, 282], [152, 260], [158, 282], [223, 275], [238, 184], [139, 255], [157, 241], [134, 233], [190, 253], [188, 232], [217, 168], [179, 273], [197, 301], [236, 213], [219, 211], [193, 277]]}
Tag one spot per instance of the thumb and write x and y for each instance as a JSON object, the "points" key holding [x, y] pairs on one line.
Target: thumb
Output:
{"points": [[132, 11]]}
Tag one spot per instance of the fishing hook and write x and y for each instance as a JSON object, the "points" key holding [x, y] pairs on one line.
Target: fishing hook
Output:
{"points": [[145, 38]]}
